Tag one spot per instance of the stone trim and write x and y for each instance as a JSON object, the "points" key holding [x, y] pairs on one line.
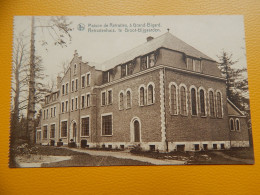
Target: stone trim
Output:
{"points": [[162, 106]]}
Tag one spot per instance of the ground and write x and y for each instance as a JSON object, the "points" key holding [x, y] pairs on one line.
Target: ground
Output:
{"points": [[49, 156]]}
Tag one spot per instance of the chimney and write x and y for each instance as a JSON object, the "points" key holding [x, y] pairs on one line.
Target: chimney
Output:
{"points": [[58, 82], [76, 53], [149, 38]]}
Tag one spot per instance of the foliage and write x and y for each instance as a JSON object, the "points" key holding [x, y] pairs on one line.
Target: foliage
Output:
{"points": [[236, 81]]}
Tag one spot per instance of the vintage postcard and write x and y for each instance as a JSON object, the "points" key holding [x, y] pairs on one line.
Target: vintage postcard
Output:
{"points": [[129, 90]]}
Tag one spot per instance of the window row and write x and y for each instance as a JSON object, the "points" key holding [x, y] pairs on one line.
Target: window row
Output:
{"points": [[52, 113], [200, 101], [234, 125], [193, 64], [106, 127], [51, 98], [147, 94], [45, 131], [106, 97], [125, 99], [84, 103], [85, 81]]}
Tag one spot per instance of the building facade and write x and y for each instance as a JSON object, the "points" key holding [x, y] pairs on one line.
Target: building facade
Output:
{"points": [[162, 95]]}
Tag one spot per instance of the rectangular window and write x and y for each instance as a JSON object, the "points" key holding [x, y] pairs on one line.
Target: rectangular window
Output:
{"points": [[45, 132], [54, 111], [83, 81], [151, 60], [88, 79], [44, 114], [72, 86], [88, 100], [109, 98], [107, 125], [63, 90], [62, 107], [123, 70], [82, 101], [215, 146], [67, 106], [64, 129], [144, 63], [76, 84], [72, 104], [52, 132], [67, 88], [76, 103], [103, 96], [85, 126], [51, 112], [47, 113]]}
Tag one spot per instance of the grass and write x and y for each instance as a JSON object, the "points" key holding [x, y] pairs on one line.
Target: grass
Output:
{"points": [[83, 159]]}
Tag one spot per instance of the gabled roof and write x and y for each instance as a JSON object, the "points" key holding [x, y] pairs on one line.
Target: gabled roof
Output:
{"points": [[235, 110], [166, 40]]}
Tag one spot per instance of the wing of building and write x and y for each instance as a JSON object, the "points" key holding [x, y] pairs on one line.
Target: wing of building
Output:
{"points": [[162, 95]]}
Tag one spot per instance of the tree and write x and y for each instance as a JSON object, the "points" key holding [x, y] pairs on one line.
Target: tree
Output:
{"points": [[59, 30], [236, 81]]}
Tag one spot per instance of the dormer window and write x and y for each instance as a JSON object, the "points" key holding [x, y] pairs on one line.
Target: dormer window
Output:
{"points": [[147, 61], [107, 76], [193, 64]]}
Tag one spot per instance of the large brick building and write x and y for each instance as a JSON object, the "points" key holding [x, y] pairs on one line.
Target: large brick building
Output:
{"points": [[163, 95]]}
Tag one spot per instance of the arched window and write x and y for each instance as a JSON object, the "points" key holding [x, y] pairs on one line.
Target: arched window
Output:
{"points": [[202, 103], [231, 124], [128, 99], [211, 104], [142, 96], [193, 101], [219, 105], [150, 95], [183, 100], [237, 124], [173, 99], [75, 68], [121, 101]]}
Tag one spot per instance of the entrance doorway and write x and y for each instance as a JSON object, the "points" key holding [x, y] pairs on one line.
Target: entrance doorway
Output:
{"points": [[73, 132], [135, 130]]}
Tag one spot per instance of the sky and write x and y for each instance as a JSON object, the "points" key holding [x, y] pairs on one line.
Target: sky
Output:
{"points": [[209, 34]]}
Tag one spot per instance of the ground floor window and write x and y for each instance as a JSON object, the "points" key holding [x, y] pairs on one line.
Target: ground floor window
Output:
{"points": [[52, 132], [64, 129], [107, 125], [45, 131], [85, 126], [38, 135]]}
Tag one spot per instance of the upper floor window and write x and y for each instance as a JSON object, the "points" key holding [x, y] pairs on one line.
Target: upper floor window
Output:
{"points": [[76, 103], [72, 104], [211, 104], [123, 70], [109, 97], [231, 124], [107, 124], [150, 99], [63, 90], [88, 100], [103, 98], [83, 101], [88, 79], [76, 84], [107, 76], [127, 69], [54, 111], [75, 69], [85, 126], [173, 99], [67, 88], [62, 107], [183, 98], [219, 105], [72, 85], [128, 99], [51, 112], [142, 97], [44, 114], [67, 106], [121, 101], [202, 102], [237, 124], [47, 113], [193, 102], [147, 61], [83, 81]]}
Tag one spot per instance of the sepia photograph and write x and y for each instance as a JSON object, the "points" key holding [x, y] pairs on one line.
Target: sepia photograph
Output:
{"points": [[129, 91]]}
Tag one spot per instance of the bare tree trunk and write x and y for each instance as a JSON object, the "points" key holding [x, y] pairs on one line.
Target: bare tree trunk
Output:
{"points": [[31, 98]]}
